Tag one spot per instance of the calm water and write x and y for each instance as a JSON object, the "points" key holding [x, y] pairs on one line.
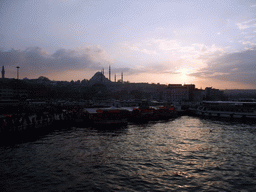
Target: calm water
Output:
{"points": [[184, 154]]}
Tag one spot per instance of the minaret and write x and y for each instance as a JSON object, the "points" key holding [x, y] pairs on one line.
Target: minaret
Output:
{"points": [[3, 72], [122, 77], [109, 73], [115, 77], [17, 72]]}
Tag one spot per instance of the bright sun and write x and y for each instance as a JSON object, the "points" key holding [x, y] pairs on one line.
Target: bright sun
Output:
{"points": [[183, 71], [183, 74]]}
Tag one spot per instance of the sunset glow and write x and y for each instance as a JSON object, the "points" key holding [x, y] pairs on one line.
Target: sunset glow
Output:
{"points": [[205, 43]]}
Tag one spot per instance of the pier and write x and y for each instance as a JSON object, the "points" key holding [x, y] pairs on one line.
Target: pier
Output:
{"points": [[19, 126], [29, 122]]}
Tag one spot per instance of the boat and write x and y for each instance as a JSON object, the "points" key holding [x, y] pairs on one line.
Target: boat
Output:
{"points": [[143, 113], [231, 109], [165, 112], [108, 116]]}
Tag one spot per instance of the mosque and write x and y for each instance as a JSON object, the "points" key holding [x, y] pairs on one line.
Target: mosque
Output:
{"points": [[99, 77]]}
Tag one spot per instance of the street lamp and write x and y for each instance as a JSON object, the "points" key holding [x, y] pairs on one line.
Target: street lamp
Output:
{"points": [[17, 72]]}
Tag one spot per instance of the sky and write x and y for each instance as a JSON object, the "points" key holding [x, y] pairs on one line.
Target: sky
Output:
{"points": [[206, 43]]}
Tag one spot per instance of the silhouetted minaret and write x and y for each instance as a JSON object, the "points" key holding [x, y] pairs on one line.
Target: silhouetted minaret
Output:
{"points": [[17, 72], [115, 77], [109, 73], [122, 77], [3, 72]]}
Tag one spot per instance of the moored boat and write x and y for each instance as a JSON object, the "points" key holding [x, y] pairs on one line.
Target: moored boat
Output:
{"points": [[165, 112], [229, 109], [141, 114], [108, 116]]}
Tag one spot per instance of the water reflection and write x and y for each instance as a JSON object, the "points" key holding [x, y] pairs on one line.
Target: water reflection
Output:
{"points": [[185, 154]]}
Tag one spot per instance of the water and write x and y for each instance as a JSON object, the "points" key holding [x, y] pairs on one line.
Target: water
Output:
{"points": [[183, 154]]}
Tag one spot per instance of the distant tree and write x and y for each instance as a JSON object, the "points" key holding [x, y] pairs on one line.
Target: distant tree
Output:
{"points": [[44, 78]]}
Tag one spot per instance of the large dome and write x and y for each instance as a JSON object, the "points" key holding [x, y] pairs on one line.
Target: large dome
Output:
{"points": [[99, 78]]}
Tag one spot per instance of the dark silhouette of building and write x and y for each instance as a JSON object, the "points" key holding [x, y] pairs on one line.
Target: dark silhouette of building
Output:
{"points": [[179, 92], [98, 78], [213, 94]]}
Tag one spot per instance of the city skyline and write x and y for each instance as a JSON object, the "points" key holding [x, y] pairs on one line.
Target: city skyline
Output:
{"points": [[209, 44]]}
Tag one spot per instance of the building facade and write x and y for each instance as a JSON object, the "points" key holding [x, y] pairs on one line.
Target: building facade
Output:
{"points": [[179, 92]]}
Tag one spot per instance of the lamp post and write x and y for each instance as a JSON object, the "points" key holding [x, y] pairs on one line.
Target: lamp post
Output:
{"points": [[17, 72]]}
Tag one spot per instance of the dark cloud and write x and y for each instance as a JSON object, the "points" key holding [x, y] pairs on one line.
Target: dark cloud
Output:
{"points": [[37, 61], [239, 67], [12, 57]]}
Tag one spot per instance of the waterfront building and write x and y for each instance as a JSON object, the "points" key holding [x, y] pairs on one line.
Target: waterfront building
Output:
{"points": [[198, 95], [179, 92], [213, 94], [11, 88], [6, 93]]}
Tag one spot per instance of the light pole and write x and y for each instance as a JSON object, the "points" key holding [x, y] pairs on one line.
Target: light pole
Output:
{"points": [[17, 72]]}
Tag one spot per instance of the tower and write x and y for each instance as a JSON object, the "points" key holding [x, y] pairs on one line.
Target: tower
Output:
{"points": [[109, 73], [17, 72], [115, 77], [3, 72], [122, 77]]}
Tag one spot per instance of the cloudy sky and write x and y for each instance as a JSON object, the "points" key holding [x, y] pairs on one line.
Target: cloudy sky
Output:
{"points": [[207, 43]]}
